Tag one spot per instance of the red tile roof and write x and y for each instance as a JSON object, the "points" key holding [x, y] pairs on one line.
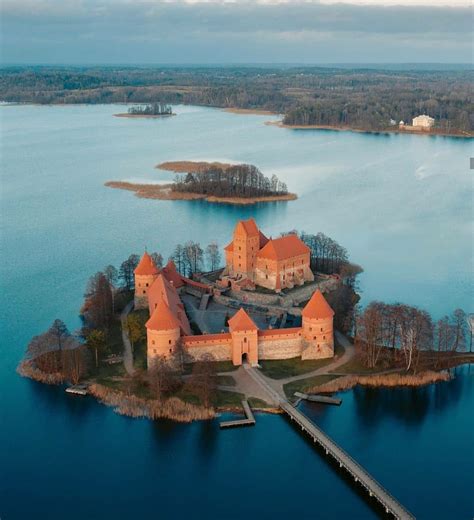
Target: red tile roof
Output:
{"points": [[248, 227], [241, 321], [162, 318], [163, 290], [146, 266], [283, 248], [171, 274], [317, 307]]}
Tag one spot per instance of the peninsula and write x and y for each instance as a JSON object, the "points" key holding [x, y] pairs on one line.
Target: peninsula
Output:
{"points": [[213, 182]]}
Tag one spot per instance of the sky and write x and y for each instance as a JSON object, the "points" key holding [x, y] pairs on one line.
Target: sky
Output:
{"points": [[80, 32]]}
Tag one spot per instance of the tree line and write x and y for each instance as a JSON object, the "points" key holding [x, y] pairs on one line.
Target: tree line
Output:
{"points": [[241, 180], [406, 336], [360, 98]]}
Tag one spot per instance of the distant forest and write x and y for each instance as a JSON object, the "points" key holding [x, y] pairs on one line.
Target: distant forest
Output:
{"points": [[365, 99], [241, 180]]}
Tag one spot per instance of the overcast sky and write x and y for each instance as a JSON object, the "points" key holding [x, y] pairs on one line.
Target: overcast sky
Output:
{"points": [[242, 31]]}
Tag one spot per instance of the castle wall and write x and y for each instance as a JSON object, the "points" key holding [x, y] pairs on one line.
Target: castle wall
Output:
{"points": [[219, 346], [276, 344]]}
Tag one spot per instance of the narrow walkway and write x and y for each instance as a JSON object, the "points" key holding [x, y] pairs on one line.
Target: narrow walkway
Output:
{"points": [[127, 346], [344, 460]]}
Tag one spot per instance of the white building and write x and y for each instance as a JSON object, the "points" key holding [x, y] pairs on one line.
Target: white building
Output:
{"points": [[423, 121]]}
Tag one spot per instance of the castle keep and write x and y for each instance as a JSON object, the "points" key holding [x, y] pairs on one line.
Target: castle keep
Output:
{"points": [[282, 261], [276, 264]]}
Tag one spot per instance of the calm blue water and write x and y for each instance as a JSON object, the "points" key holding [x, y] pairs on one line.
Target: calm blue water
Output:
{"points": [[402, 205]]}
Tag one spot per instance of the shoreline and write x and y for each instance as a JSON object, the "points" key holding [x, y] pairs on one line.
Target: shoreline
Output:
{"points": [[152, 116], [335, 128], [250, 111], [165, 192]]}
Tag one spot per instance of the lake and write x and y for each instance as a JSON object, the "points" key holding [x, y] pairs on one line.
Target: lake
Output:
{"points": [[400, 204]]}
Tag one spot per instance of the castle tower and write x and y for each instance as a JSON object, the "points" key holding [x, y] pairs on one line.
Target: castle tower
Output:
{"points": [[145, 274], [163, 333], [241, 254], [244, 334], [318, 333]]}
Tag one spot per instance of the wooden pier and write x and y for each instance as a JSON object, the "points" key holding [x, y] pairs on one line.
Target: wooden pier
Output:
{"points": [[77, 389], [248, 421], [324, 399]]}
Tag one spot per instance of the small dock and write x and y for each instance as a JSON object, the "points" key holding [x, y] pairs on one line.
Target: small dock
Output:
{"points": [[324, 399], [248, 421], [77, 389]]}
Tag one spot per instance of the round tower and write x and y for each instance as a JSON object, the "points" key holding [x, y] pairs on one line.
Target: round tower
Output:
{"points": [[145, 273], [163, 333], [318, 332]]}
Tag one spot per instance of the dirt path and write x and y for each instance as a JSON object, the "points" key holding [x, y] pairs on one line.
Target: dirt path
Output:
{"points": [[248, 385], [127, 347]]}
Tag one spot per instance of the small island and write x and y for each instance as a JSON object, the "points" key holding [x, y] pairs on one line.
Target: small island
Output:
{"points": [[213, 182], [150, 110], [181, 342]]}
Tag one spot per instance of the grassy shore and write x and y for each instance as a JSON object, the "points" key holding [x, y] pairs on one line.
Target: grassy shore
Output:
{"points": [[191, 166], [165, 192], [282, 368]]}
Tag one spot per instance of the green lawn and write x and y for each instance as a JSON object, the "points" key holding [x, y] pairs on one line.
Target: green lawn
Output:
{"points": [[254, 402], [281, 368], [355, 366], [303, 385], [224, 398], [225, 380]]}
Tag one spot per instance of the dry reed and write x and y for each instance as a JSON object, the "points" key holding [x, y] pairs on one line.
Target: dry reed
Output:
{"points": [[385, 380]]}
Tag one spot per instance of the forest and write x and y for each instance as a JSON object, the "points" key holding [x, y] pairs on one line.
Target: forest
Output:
{"points": [[366, 99], [241, 180]]}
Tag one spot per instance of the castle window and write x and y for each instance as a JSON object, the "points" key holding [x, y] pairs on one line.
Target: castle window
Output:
{"points": [[302, 261], [169, 343], [324, 337], [154, 351], [152, 341], [321, 329], [144, 292], [314, 337], [310, 329], [245, 340], [240, 249], [171, 351], [147, 285], [266, 276]]}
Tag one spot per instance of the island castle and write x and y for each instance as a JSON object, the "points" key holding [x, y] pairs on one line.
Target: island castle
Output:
{"points": [[168, 327]]}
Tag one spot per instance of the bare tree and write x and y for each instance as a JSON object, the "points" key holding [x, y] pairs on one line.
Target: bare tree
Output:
{"points": [[213, 256], [202, 381], [157, 259]]}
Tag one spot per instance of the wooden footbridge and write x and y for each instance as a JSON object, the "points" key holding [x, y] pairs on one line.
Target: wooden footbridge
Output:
{"points": [[333, 450]]}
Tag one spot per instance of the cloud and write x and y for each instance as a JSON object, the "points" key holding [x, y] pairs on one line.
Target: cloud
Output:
{"points": [[183, 31]]}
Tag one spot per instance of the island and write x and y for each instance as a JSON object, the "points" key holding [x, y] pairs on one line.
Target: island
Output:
{"points": [[213, 182], [151, 110], [276, 323]]}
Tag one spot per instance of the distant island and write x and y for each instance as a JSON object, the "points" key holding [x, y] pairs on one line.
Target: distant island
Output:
{"points": [[213, 182], [151, 110]]}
